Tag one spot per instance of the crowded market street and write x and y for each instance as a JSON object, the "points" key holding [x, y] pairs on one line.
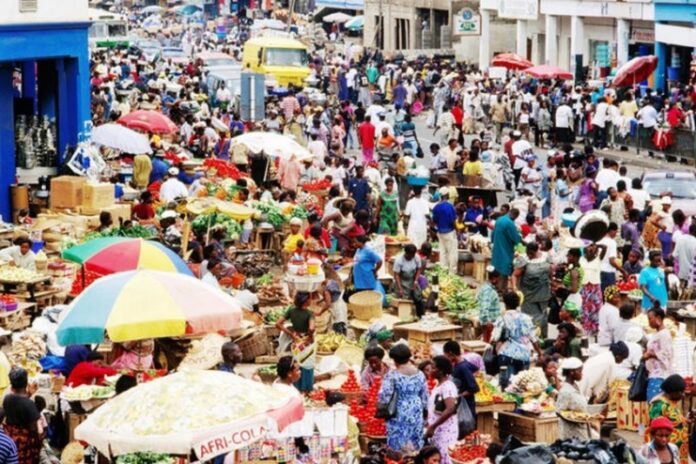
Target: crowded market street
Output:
{"points": [[280, 232]]}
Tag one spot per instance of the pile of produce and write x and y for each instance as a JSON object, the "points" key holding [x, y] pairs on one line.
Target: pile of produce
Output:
{"points": [[626, 286], [544, 404], [455, 296], [314, 186], [144, 458], [299, 212], [329, 342], [133, 231], [202, 223], [272, 295], [16, 274], [264, 280], [223, 168], [472, 449], [254, 265], [487, 391], [271, 213], [273, 314], [8, 303], [531, 382], [422, 352], [28, 345], [87, 392], [365, 414], [642, 321], [351, 384]]}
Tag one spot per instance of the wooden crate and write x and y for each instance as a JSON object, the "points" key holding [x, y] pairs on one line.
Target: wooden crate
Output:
{"points": [[73, 421], [485, 416], [528, 429], [630, 415]]}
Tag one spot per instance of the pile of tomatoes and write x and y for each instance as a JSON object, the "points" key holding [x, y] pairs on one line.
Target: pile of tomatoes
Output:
{"points": [[468, 453], [366, 413], [627, 285], [223, 168], [318, 395], [323, 184], [77, 286], [351, 384]]}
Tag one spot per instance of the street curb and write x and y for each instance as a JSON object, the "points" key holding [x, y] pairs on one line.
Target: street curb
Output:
{"points": [[630, 157]]}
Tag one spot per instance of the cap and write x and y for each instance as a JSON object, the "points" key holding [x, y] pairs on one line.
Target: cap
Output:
{"points": [[444, 191], [295, 221], [173, 171], [666, 200], [168, 214], [571, 363], [516, 134], [661, 423]]}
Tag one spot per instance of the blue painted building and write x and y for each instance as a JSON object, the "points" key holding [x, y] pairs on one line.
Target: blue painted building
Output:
{"points": [[675, 40], [46, 50]]}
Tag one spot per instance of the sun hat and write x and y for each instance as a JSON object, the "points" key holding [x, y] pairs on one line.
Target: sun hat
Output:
{"points": [[571, 363], [661, 423]]}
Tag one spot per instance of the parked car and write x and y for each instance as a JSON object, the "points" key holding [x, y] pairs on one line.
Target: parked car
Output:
{"points": [[681, 186], [177, 55]]}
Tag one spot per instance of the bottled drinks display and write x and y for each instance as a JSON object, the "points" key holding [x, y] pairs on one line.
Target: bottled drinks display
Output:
{"points": [[35, 141]]}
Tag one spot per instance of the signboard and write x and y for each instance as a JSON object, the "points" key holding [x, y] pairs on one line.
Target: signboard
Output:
{"points": [[231, 440], [642, 35], [342, 4], [467, 22], [497, 72], [519, 9]]}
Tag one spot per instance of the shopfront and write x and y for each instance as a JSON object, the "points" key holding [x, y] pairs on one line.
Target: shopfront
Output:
{"points": [[675, 41], [44, 96]]}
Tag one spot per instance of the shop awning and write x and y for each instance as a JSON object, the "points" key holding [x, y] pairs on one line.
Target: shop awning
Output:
{"points": [[342, 4]]}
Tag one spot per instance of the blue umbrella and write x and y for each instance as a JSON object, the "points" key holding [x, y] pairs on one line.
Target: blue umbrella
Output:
{"points": [[187, 10], [355, 24]]}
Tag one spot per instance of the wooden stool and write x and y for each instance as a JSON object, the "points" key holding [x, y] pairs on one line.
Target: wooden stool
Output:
{"points": [[480, 274], [404, 309], [264, 238]]}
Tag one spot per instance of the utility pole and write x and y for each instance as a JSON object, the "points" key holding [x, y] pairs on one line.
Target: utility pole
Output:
{"points": [[380, 27], [291, 8]]}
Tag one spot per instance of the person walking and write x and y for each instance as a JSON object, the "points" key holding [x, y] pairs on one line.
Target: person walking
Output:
{"points": [[366, 140], [444, 218], [504, 239]]}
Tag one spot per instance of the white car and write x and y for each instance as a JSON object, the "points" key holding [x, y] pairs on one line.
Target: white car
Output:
{"points": [[681, 186]]}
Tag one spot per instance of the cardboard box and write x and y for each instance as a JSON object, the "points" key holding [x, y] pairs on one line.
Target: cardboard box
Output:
{"points": [[120, 212], [67, 191], [98, 196]]}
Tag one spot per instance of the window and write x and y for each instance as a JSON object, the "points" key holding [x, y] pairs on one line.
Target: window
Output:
{"points": [[117, 30], [286, 57]]}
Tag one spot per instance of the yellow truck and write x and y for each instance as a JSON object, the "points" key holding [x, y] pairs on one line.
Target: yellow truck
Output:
{"points": [[283, 59]]}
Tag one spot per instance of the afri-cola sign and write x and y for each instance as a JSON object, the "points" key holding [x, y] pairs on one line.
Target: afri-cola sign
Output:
{"points": [[226, 442]]}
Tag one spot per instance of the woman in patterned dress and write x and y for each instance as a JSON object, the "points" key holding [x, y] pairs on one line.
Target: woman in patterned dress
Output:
{"points": [[591, 290], [405, 429], [388, 209], [443, 428], [669, 404]]}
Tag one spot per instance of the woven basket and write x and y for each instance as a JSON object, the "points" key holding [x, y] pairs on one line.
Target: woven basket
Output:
{"points": [[265, 377], [365, 305], [253, 345]]}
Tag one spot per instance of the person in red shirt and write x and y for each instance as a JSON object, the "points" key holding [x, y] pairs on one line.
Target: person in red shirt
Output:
{"points": [[458, 114], [90, 372], [366, 139], [313, 220], [144, 211], [675, 116]]}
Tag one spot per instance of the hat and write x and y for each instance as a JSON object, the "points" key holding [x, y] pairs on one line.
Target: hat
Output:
{"points": [[444, 191], [661, 423], [173, 171], [516, 134], [571, 363], [204, 353], [295, 221], [666, 200], [168, 214]]}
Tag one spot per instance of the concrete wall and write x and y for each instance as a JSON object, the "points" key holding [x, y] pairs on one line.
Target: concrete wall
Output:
{"points": [[48, 11], [502, 41]]}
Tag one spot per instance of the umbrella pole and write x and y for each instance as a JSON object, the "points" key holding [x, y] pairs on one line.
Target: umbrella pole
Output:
{"points": [[207, 233]]}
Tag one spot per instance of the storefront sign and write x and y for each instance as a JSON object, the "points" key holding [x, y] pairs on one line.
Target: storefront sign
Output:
{"points": [[467, 22], [643, 35], [229, 441], [519, 9]]}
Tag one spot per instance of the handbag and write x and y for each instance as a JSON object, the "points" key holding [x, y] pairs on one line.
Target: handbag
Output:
{"points": [[440, 405], [490, 361], [419, 152], [465, 419], [387, 410], [349, 289], [639, 384]]}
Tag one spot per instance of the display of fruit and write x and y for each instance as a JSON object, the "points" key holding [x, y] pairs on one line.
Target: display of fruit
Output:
{"points": [[351, 384], [468, 453], [28, 345], [487, 391], [17, 274], [318, 395], [531, 382], [455, 295], [323, 184], [329, 342], [627, 285]]}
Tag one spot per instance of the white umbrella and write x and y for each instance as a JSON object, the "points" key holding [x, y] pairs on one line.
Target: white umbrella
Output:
{"points": [[154, 9], [209, 412], [121, 138], [272, 144], [337, 18]]}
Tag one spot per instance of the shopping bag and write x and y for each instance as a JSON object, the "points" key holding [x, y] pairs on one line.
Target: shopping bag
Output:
{"points": [[639, 385], [490, 361], [465, 419]]}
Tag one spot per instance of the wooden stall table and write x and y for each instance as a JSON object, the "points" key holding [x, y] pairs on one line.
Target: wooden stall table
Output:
{"points": [[8, 285], [528, 428], [18, 319], [485, 416], [419, 335], [476, 346]]}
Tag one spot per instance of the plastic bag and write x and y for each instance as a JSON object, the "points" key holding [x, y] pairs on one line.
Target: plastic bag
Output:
{"points": [[527, 454], [465, 418], [490, 361], [639, 385]]}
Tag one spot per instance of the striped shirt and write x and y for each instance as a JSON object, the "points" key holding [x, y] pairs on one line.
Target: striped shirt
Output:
{"points": [[8, 449]]}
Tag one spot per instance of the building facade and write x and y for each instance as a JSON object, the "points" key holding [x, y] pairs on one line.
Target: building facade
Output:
{"points": [[44, 73], [675, 40]]}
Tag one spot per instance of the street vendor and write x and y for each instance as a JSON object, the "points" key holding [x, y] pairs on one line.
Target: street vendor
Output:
{"points": [[333, 301], [570, 399], [374, 366], [300, 336], [135, 355], [90, 371], [293, 239], [231, 356], [20, 254]]}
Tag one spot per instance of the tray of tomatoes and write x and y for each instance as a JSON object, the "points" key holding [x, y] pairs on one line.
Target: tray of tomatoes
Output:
{"points": [[317, 185]]}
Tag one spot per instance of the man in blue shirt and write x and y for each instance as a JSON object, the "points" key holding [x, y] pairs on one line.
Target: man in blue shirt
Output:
{"points": [[231, 356], [652, 281], [444, 218], [359, 190], [504, 239], [159, 167]]}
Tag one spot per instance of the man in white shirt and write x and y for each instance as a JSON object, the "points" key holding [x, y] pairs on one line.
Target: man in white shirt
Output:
{"points": [[564, 123], [317, 147], [383, 124], [648, 116], [173, 188], [223, 96], [685, 251], [639, 196], [608, 176], [519, 148], [609, 318], [610, 262], [599, 121]]}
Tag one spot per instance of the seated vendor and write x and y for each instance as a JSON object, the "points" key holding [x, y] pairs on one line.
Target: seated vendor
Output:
{"points": [[90, 372], [374, 366], [231, 356], [144, 212], [566, 345], [247, 297], [291, 241], [135, 355], [20, 255]]}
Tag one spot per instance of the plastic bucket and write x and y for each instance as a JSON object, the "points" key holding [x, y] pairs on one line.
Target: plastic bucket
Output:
{"points": [[37, 246]]}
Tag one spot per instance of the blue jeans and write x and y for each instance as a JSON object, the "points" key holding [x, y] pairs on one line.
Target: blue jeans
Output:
{"points": [[513, 367]]}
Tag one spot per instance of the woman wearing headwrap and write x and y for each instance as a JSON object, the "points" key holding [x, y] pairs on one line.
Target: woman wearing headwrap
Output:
{"points": [[571, 399], [22, 418], [660, 449], [669, 405]]}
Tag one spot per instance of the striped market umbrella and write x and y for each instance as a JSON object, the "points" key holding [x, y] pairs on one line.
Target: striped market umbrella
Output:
{"points": [[138, 305], [118, 254]]}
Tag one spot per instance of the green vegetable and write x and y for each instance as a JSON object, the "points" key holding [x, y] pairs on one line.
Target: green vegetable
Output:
{"points": [[271, 213], [264, 280], [134, 231], [269, 370], [144, 458], [299, 212], [201, 223]]}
